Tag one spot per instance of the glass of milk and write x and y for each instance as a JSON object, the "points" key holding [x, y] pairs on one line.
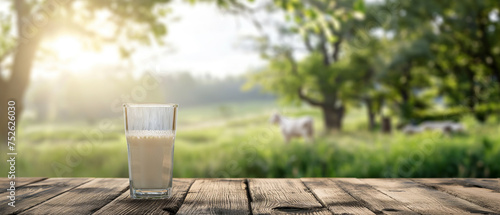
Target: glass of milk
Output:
{"points": [[150, 132]]}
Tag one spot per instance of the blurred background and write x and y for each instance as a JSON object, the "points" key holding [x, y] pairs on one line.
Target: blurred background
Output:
{"points": [[395, 88]]}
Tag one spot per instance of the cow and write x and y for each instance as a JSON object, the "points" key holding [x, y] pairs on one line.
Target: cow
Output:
{"points": [[447, 127], [294, 127]]}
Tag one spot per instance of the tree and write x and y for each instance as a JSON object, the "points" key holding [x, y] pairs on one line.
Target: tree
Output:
{"points": [[468, 60], [406, 74], [36, 20], [464, 49], [318, 79], [367, 54], [366, 62]]}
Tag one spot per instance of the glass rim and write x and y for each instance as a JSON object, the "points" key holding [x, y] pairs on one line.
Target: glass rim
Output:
{"points": [[150, 105]]}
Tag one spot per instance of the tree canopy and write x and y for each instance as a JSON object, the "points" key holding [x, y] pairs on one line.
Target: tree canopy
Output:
{"points": [[410, 57]]}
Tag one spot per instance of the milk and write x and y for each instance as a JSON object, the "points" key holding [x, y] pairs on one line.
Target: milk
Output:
{"points": [[150, 158]]}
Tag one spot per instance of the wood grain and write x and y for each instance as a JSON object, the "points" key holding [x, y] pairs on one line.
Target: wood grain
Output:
{"points": [[481, 196], [371, 197], [5, 182], [126, 205], [489, 183], [334, 197], [259, 196], [33, 194], [216, 196], [284, 196], [84, 199], [423, 199]]}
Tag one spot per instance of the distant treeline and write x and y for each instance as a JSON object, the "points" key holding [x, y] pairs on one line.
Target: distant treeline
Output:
{"points": [[187, 90], [100, 94]]}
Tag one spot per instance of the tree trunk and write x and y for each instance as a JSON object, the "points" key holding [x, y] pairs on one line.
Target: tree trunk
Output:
{"points": [[371, 114], [404, 90], [386, 125], [405, 106], [471, 100], [15, 87], [333, 117]]}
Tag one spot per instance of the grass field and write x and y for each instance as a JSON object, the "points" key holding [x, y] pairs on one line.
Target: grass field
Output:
{"points": [[236, 140]]}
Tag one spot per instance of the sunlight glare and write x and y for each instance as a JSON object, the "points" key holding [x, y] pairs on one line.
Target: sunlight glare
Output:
{"points": [[66, 47], [72, 55]]}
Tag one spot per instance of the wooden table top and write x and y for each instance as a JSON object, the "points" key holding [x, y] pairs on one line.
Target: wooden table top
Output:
{"points": [[257, 196]]}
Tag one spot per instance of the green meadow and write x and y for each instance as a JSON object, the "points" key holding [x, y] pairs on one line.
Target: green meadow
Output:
{"points": [[237, 140]]}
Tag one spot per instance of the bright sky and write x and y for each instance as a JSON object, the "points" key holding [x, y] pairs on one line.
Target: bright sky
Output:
{"points": [[203, 41], [206, 41]]}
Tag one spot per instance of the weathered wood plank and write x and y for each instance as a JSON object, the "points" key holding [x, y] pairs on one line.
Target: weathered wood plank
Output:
{"points": [[372, 198], [5, 182], [422, 199], [481, 196], [84, 199], [216, 196], [262, 196], [33, 194], [489, 183], [283, 196], [335, 198], [126, 205]]}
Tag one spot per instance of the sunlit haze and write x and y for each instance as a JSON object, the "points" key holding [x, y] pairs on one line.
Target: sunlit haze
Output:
{"points": [[205, 42], [66, 47]]}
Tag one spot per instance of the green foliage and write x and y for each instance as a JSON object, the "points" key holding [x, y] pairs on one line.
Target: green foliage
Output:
{"points": [[463, 39], [322, 25], [423, 52], [483, 110], [280, 78], [353, 155]]}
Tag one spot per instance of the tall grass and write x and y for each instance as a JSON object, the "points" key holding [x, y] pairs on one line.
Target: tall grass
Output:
{"points": [[251, 147]]}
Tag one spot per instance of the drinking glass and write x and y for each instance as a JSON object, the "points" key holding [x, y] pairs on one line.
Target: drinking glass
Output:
{"points": [[150, 133]]}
